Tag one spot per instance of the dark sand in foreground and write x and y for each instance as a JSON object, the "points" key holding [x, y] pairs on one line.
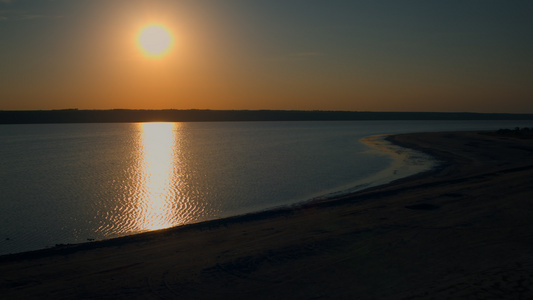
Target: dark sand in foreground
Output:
{"points": [[464, 230]]}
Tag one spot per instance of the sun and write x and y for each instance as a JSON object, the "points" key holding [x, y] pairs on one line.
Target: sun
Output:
{"points": [[155, 40]]}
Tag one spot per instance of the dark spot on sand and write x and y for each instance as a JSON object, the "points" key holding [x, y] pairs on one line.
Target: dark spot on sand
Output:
{"points": [[453, 195], [423, 206], [20, 283]]}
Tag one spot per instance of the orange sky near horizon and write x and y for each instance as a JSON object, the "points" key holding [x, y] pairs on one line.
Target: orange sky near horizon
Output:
{"points": [[304, 55]]}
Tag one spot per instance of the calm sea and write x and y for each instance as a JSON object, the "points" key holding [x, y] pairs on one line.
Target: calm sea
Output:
{"points": [[68, 183]]}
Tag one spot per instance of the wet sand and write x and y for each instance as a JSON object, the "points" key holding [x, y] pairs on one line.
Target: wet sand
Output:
{"points": [[462, 230]]}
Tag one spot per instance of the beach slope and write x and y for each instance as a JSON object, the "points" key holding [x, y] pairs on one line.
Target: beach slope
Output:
{"points": [[462, 230]]}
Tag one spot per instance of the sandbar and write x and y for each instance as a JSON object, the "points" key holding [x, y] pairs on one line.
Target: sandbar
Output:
{"points": [[461, 230]]}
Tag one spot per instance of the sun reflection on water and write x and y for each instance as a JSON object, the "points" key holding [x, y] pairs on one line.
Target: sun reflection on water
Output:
{"points": [[159, 157]]}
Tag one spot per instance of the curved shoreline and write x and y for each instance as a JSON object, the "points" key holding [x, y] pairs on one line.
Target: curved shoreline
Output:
{"points": [[455, 230], [406, 162], [403, 166]]}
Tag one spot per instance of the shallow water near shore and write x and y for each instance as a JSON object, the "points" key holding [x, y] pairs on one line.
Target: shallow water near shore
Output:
{"points": [[70, 183]]}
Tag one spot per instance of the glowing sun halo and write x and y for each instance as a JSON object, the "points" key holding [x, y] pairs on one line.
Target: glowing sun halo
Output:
{"points": [[155, 40]]}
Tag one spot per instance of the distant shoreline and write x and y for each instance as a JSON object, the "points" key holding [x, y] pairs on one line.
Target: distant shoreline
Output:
{"points": [[198, 115]]}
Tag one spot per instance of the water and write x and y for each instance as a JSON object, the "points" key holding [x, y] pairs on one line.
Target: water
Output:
{"points": [[67, 183]]}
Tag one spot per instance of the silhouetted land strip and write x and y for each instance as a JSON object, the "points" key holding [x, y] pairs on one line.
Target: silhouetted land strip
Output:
{"points": [[463, 230], [125, 115], [521, 133]]}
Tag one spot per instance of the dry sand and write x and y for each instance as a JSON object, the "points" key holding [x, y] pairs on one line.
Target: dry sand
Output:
{"points": [[464, 230]]}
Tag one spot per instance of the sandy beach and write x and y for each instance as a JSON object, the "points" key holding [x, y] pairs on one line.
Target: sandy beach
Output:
{"points": [[463, 230]]}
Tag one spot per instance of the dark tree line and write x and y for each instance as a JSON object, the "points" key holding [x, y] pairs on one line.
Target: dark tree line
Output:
{"points": [[525, 132], [196, 115]]}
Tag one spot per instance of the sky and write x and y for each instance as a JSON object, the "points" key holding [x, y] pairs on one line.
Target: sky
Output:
{"points": [[375, 55]]}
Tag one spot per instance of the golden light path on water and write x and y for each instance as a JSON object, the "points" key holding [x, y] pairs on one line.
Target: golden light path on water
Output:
{"points": [[158, 160]]}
